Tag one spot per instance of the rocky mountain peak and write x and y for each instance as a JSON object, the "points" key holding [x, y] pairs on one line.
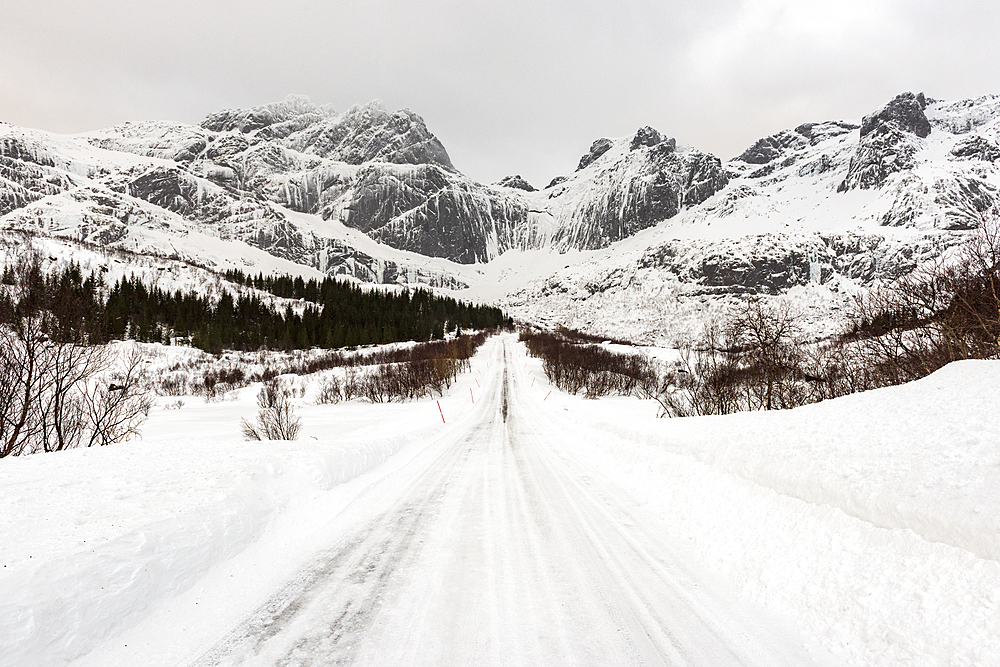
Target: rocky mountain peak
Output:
{"points": [[647, 136], [516, 182], [371, 133], [905, 112], [767, 149], [889, 140], [255, 118], [597, 149]]}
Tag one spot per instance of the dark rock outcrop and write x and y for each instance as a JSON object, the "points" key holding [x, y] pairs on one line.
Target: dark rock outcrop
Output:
{"points": [[517, 183], [889, 140], [817, 132], [977, 147], [597, 149], [775, 263], [768, 264], [256, 118], [905, 112], [770, 148], [647, 136]]}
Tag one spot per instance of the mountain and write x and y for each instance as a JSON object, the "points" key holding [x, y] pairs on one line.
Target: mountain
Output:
{"points": [[641, 239]]}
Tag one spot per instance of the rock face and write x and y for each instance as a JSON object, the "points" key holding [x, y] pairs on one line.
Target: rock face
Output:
{"points": [[517, 183], [646, 136], [28, 172], [889, 140], [373, 194], [977, 147], [624, 186], [775, 263], [597, 149], [905, 112], [770, 148], [382, 173]]}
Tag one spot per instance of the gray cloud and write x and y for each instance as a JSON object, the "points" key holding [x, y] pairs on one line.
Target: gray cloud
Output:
{"points": [[514, 87]]}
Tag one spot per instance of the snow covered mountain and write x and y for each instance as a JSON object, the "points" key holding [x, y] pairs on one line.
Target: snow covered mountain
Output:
{"points": [[810, 214], [643, 231]]}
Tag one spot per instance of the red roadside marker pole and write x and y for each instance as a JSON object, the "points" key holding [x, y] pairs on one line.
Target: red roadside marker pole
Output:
{"points": [[471, 396], [546, 396], [442, 411]]}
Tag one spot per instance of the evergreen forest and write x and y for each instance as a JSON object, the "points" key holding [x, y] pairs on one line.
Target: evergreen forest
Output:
{"points": [[330, 313]]}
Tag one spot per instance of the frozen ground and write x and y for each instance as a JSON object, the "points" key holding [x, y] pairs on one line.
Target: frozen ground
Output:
{"points": [[531, 528]]}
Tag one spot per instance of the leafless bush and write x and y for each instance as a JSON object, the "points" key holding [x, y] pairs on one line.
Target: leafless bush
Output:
{"points": [[406, 381], [218, 382], [330, 390], [176, 383], [460, 347], [752, 359], [595, 370], [117, 403], [352, 384], [944, 311], [276, 418], [58, 395]]}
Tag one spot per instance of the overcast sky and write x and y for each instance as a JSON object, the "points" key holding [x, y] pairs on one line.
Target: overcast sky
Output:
{"points": [[508, 87]]}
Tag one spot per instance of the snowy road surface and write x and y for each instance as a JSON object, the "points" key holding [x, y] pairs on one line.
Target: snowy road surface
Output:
{"points": [[496, 546], [570, 532]]}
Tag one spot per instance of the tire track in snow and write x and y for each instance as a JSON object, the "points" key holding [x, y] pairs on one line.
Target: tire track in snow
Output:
{"points": [[502, 547]]}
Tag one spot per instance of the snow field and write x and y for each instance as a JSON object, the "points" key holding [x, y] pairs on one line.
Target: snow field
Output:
{"points": [[94, 539], [871, 521]]}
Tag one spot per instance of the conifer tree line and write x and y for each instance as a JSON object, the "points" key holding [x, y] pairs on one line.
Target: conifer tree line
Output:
{"points": [[83, 309]]}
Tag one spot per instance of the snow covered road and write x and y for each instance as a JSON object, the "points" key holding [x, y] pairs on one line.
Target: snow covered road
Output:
{"points": [[534, 527], [497, 545]]}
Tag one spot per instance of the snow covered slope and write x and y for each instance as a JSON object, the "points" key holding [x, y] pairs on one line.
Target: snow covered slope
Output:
{"points": [[859, 202], [643, 222]]}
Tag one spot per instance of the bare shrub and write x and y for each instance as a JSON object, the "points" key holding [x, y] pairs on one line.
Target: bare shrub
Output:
{"points": [[595, 370], [276, 418], [219, 382], [944, 311], [352, 384], [765, 342], [119, 402], [58, 395], [330, 390]]}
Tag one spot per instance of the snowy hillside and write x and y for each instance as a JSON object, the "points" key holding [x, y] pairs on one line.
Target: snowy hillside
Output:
{"points": [[645, 230], [862, 208]]}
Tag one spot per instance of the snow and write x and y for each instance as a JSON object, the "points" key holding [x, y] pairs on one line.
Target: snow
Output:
{"points": [[867, 525], [541, 279], [94, 538], [871, 519]]}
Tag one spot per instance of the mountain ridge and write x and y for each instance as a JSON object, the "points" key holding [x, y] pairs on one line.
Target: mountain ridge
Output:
{"points": [[372, 194]]}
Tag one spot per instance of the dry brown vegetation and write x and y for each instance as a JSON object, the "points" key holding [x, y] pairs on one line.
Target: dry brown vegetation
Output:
{"points": [[758, 358]]}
